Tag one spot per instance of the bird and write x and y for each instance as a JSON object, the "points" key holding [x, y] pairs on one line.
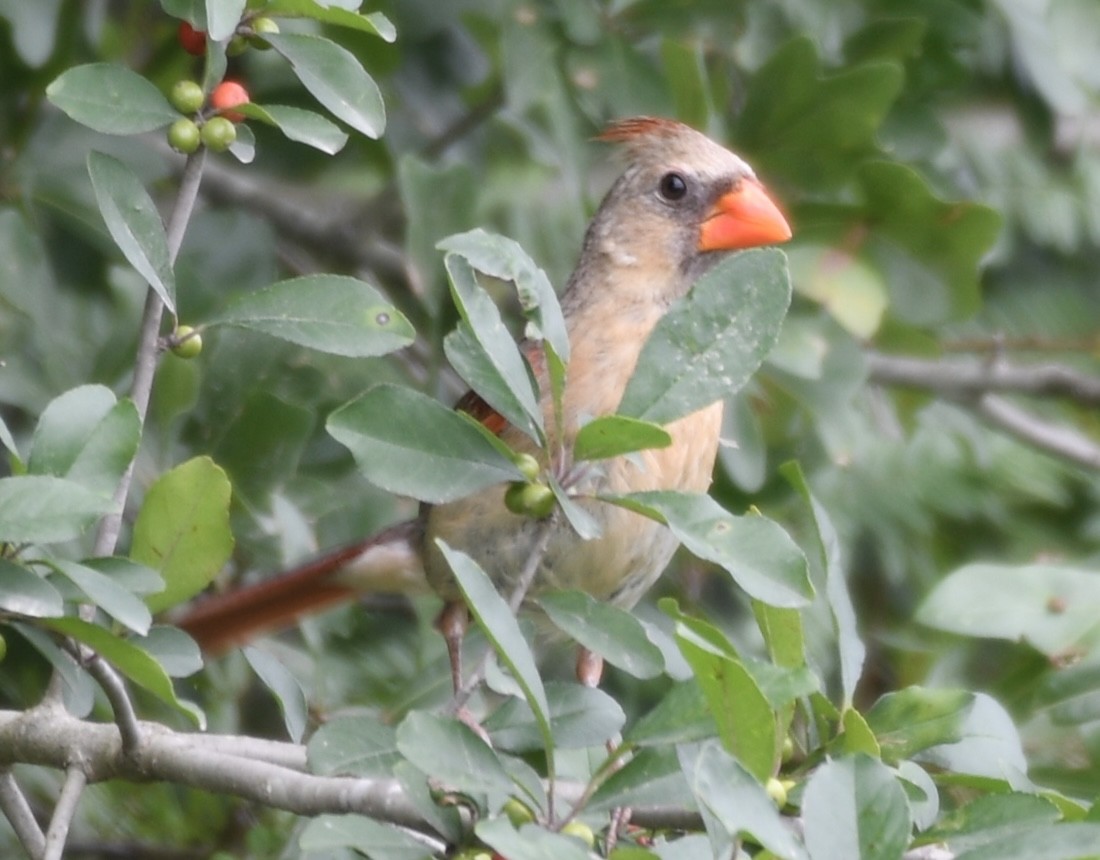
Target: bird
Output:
{"points": [[681, 203]]}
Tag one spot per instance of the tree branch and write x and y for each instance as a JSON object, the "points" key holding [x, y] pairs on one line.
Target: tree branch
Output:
{"points": [[971, 384], [63, 812], [1064, 442], [959, 378], [18, 812]]}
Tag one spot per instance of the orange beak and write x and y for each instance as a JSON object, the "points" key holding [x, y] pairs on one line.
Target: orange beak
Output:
{"points": [[743, 218]]}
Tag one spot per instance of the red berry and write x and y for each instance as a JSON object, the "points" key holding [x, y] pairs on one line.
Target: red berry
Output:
{"points": [[193, 41], [229, 94]]}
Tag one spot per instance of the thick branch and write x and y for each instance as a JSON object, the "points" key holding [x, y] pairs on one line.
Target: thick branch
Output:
{"points": [[959, 378]]}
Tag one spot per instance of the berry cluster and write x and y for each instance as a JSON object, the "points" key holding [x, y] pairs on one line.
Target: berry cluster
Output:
{"points": [[212, 125]]}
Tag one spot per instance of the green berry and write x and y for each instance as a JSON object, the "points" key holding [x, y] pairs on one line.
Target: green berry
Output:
{"points": [[218, 134], [260, 28], [186, 96], [580, 830], [528, 466], [529, 500], [237, 46], [518, 812], [186, 342], [184, 136], [788, 749], [777, 791]]}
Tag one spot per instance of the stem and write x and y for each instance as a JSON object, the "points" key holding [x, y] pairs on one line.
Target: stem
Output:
{"points": [[63, 813], [19, 815], [145, 363]]}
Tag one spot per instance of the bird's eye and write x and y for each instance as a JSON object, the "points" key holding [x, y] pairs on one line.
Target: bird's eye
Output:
{"points": [[672, 187]]}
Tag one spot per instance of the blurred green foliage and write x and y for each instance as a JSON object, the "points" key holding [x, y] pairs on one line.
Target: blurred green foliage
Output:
{"points": [[940, 162]]}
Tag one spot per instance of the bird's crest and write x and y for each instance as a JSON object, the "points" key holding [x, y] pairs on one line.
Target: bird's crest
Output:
{"points": [[646, 138]]}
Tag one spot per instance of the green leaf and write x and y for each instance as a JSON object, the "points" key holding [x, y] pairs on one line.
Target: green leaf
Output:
{"points": [[44, 509], [915, 230], [783, 634], [745, 719], [129, 659], [755, 551], [827, 559], [855, 807], [134, 223], [857, 736], [1054, 842], [330, 313], [916, 718], [484, 354], [502, 630], [111, 99], [852, 291], [222, 18], [530, 842], [114, 599], [811, 128], [374, 22], [1052, 607], [353, 746], [177, 652], [579, 717], [711, 341], [500, 257], [580, 520], [451, 753], [284, 687], [408, 443], [302, 126], [78, 689], [990, 745], [681, 716], [994, 817], [86, 436], [26, 593], [649, 778], [182, 530], [613, 435], [606, 630], [733, 802], [335, 78], [374, 839]]}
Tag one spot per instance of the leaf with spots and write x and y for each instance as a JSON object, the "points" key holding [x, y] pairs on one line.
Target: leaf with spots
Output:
{"points": [[330, 313]]}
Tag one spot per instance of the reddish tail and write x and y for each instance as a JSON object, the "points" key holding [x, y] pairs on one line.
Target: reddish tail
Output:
{"points": [[387, 562]]}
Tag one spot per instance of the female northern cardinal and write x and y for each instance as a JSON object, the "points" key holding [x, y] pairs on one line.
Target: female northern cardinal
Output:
{"points": [[682, 201]]}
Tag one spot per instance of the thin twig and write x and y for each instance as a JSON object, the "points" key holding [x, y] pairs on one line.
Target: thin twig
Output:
{"points": [[19, 815], [121, 706], [63, 813]]}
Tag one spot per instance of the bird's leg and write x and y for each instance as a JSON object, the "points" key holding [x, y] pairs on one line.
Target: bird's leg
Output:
{"points": [[453, 622]]}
